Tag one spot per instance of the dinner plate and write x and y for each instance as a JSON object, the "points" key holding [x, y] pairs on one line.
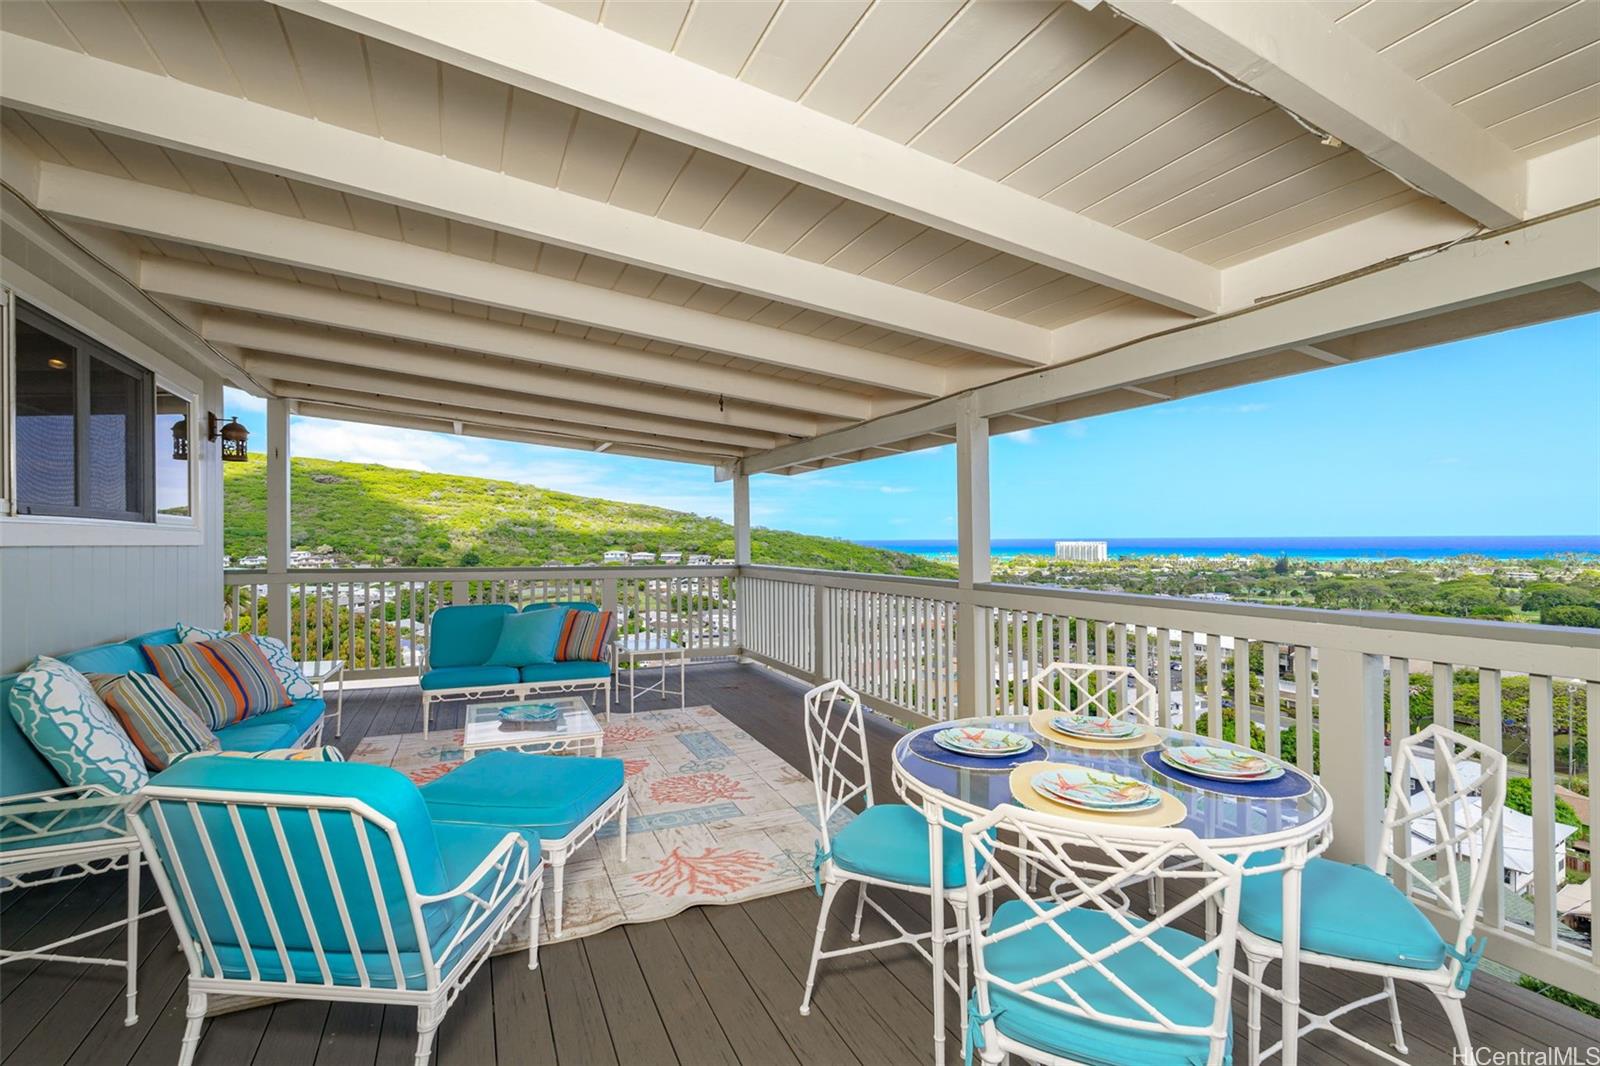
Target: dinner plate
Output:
{"points": [[1095, 790], [1225, 764], [1095, 726], [982, 743]]}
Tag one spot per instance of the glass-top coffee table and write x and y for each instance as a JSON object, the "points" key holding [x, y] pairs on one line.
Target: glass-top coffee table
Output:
{"points": [[573, 731]]}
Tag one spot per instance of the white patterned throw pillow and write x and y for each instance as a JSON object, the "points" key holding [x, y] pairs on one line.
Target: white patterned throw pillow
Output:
{"points": [[277, 653], [56, 708]]}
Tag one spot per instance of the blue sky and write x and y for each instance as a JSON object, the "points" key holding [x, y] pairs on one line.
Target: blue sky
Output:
{"points": [[1496, 435]]}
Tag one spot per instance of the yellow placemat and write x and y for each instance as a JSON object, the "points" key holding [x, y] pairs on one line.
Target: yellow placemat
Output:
{"points": [[1040, 721], [1171, 811]]}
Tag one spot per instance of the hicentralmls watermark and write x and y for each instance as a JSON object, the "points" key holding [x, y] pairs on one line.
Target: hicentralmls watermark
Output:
{"points": [[1547, 1056]]}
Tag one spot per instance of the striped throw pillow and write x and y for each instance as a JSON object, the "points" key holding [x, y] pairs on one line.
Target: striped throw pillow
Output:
{"points": [[276, 651], [328, 753], [161, 726], [586, 637], [225, 680]]}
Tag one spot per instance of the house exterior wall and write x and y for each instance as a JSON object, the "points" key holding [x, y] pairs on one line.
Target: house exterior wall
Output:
{"points": [[68, 583]]}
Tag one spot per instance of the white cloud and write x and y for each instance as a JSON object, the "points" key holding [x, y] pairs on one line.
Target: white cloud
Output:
{"points": [[239, 402], [895, 490]]}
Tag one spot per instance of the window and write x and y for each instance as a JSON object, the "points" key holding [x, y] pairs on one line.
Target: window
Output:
{"points": [[84, 426]]}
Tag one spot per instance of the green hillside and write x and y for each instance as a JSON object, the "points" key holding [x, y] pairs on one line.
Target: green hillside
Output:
{"points": [[383, 516]]}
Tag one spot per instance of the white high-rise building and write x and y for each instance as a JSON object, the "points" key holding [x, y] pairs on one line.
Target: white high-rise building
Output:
{"points": [[1081, 551]]}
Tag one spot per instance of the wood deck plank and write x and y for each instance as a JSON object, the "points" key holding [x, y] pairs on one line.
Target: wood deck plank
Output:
{"points": [[751, 1031], [688, 1016], [637, 1032]]}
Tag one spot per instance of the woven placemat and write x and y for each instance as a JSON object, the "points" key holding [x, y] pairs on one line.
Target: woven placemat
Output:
{"points": [[1171, 811], [1040, 721]]}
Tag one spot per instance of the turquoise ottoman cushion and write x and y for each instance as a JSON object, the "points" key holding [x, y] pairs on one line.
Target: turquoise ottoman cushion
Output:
{"points": [[1350, 912], [551, 794]]}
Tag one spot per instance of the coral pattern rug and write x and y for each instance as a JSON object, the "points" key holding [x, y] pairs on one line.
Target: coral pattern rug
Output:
{"points": [[713, 817]]}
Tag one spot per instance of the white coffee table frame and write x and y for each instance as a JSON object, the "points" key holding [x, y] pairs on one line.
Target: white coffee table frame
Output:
{"points": [[319, 672], [648, 651], [579, 732]]}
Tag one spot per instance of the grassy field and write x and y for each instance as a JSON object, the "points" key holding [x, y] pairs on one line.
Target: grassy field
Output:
{"points": [[383, 516]]}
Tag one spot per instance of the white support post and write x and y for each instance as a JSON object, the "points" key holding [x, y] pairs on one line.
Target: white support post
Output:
{"points": [[973, 568], [278, 518], [741, 518], [1350, 684]]}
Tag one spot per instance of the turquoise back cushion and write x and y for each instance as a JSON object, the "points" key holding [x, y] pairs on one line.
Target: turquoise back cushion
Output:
{"points": [[22, 768], [465, 635], [576, 605], [528, 638], [386, 791]]}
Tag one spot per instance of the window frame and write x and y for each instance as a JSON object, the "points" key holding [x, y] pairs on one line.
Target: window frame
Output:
{"points": [[190, 397], [87, 349]]}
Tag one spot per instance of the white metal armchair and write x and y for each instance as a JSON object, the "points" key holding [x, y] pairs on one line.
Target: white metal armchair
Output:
{"points": [[1094, 689], [328, 881]]}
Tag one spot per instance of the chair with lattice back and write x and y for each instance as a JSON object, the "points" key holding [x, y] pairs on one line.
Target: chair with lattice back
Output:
{"points": [[1094, 689]]}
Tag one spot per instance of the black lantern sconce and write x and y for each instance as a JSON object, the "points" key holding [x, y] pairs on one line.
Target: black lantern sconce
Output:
{"points": [[235, 439], [180, 440]]}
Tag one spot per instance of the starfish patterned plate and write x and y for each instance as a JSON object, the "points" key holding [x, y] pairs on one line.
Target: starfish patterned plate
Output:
{"points": [[1223, 763], [1095, 726], [1096, 790], [982, 743]]}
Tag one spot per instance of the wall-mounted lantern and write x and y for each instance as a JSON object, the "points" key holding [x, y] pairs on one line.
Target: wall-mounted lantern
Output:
{"points": [[235, 439]]}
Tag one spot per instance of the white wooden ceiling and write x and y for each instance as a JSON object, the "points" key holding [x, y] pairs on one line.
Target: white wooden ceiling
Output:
{"points": [[1096, 120]]}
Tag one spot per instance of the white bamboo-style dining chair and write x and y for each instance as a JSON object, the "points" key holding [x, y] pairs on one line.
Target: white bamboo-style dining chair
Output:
{"points": [[1094, 689], [1446, 798], [885, 845], [1072, 977]]}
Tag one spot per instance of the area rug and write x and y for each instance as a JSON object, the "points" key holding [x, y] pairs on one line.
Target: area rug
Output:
{"points": [[713, 817]]}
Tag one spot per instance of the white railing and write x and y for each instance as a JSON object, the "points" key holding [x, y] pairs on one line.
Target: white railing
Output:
{"points": [[377, 620], [1350, 681]]}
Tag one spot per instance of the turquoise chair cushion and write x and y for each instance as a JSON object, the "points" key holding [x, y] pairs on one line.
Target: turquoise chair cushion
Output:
{"points": [[470, 677], [567, 671], [889, 841], [1097, 1043], [274, 729], [388, 792], [1349, 912], [573, 605], [551, 794], [465, 635], [528, 638]]}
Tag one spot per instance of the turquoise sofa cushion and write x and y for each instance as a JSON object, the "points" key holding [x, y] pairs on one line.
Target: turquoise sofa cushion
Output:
{"points": [[551, 794], [527, 638], [571, 605], [470, 677], [1040, 950], [465, 635], [1347, 911], [274, 729], [569, 671], [57, 710], [889, 841], [386, 791]]}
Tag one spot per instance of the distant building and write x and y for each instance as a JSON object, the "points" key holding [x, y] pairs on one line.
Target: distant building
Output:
{"points": [[699, 560], [616, 556], [1081, 551], [672, 558], [1521, 576], [642, 557], [723, 562]]}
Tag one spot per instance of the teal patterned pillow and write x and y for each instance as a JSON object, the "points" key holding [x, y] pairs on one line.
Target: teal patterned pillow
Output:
{"points": [[276, 651], [57, 709]]}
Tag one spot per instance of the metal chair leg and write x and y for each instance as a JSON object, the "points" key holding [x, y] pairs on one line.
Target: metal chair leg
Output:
{"points": [[1394, 1015], [829, 891], [861, 903]]}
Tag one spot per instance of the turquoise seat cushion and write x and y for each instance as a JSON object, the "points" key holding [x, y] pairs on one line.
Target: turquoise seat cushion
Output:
{"points": [[465, 635], [550, 794], [484, 677], [1349, 912], [386, 791], [889, 841], [567, 671], [274, 729], [527, 638], [1081, 1039]]}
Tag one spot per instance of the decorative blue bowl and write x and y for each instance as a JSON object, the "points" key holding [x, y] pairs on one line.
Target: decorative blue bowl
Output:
{"points": [[530, 712]]}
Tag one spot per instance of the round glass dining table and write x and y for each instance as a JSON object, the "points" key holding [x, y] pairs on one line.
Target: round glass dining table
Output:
{"points": [[1235, 820]]}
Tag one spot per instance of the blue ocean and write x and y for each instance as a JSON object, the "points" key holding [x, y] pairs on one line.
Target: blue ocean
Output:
{"points": [[1318, 548]]}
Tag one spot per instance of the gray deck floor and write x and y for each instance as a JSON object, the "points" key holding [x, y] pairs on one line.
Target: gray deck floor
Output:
{"points": [[712, 985]]}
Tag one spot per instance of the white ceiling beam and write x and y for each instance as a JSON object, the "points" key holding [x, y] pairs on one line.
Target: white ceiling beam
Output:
{"points": [[378, 354], [537, 47], [237, 290], [378, 401], [380, 417], [286, 369], [1297, 57], [40, 78], [1541, 255], [206, 223]]}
